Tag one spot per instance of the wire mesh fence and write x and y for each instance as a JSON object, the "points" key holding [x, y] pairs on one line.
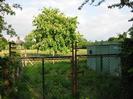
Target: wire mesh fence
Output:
{"points": [[32, 81], [68, 77], [48, 78], [97, 77], [54, 78], [105, 63]]}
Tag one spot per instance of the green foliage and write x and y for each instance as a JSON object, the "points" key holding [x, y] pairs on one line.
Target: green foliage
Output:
{"points": [[119, 38], [3, 43], [127, 66], [58, 82], [121, 3], [53, 31], [29, 41], [130, 31], [128, 49], [7, 9], [9, 71], [83, 43], [93, 85]]}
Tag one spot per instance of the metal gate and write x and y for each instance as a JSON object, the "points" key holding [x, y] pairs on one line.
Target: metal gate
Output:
{"points": [[50, 77]]}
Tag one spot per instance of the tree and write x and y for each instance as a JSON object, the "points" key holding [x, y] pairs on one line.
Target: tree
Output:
{"points": [[82, 42], [3, 43], [121, 4], [119, 38], [29, 41], [7, 9], [53, 31], [130, 31], [127, 65]]}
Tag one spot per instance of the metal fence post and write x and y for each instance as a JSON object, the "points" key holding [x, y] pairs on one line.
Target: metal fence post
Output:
{"points": [[74, 71], [43, 80], [73, 89], [101, 63]]}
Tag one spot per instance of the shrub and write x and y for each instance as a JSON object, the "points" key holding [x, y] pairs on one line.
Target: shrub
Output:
{"points": [[9, 76]]}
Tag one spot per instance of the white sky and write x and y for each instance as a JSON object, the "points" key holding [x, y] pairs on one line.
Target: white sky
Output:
{"points": [[95, 23]]}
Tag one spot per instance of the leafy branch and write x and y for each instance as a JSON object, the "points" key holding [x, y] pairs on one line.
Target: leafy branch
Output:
{"points": [[7, 9]]}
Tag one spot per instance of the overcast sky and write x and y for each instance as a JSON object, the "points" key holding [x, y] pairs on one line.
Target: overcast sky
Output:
{"points": [[95, 23]]}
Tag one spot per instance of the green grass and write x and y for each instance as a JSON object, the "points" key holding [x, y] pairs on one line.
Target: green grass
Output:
{"points": [[58, 82], [57, 85], [32, 52], [80, 52]]}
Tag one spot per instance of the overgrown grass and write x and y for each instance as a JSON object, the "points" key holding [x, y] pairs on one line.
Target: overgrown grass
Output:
{"points": [[98, 86], [58, 82]]}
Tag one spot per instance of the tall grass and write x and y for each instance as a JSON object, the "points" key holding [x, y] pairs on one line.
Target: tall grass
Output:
{"points": [[58, 83]]}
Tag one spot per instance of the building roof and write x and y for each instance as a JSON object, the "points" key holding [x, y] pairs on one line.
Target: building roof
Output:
{"points": [[105, 43]]}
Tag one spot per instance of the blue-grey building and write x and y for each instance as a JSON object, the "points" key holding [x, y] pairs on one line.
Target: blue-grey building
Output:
{"points": [[104, 57]]}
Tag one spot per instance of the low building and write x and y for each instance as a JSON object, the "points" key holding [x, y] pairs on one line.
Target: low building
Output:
{"points": [[104, 57]]}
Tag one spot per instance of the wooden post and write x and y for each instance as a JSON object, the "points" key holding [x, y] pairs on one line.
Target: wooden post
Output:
{"points": [[9, 49]]}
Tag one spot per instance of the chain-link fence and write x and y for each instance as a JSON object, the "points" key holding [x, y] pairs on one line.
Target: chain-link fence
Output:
{"points": [[47, 77], [98, 76], [31, 81], [69, 77]]}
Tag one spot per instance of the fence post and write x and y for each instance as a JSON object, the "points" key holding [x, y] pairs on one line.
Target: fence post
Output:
{"points": [[12, 47], [43, 80], [9, 49], [74, 71], [101, 63]]}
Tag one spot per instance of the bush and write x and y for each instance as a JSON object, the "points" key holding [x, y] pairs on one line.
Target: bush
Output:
{"points": [[10, 74]]}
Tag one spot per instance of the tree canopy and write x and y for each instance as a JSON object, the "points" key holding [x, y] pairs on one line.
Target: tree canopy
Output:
{"points": [[7, 9], [121, 3], [53, 31], [119, 38]]}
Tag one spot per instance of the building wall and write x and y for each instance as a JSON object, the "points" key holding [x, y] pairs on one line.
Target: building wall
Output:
{"points": [[105, 58]]}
